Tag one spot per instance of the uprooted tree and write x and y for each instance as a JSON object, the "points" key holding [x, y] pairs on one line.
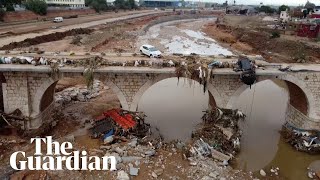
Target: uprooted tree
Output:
{"points": [[37, 6]]}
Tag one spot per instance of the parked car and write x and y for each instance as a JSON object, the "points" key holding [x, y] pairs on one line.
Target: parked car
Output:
{"points": [[150, 51], [58, 19]]}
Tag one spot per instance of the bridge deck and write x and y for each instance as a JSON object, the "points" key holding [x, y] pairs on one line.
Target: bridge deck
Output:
{"points": [[120, 69]]}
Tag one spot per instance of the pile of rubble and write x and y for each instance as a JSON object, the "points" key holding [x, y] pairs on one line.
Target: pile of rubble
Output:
{"points": [[219, 135], [79, 93], [302, 140]]}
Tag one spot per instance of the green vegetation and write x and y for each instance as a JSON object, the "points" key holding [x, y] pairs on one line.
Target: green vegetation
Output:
{"points": [[283, 8], [2, 12], [37, 6], [266, 9], [97, 5], [275, 34]]}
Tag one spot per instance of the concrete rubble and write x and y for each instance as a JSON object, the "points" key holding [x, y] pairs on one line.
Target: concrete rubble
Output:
{"points": [[79, 93]]}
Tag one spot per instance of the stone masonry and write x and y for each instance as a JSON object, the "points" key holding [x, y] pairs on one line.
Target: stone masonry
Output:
{"points": [[26, 88]]}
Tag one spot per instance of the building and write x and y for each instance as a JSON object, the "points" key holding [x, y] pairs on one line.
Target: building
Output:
{"points": [[284, 16], [161, 3], [70, 3], [310, 30], [316, 12]]}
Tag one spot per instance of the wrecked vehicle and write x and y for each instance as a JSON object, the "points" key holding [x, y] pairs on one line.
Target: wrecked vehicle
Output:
{"points": [[117, 122], [247, 67]]}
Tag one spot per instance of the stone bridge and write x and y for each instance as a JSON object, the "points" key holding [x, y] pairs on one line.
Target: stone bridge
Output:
{"points": [[31, 89]]}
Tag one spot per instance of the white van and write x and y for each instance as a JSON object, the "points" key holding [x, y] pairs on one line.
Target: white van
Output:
{"points": [[58, 19]]}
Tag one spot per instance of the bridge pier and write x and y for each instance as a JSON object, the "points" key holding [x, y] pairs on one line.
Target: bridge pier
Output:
{"points": [[23, 91]]}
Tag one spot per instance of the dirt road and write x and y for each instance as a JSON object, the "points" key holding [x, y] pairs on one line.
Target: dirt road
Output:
{"points": [[27, 27], [84, 23]]}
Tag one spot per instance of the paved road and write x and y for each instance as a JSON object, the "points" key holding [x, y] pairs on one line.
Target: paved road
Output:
{"points": [[33, 26], [18, 38]]}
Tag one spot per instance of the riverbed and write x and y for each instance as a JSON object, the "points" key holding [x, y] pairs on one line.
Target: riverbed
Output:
{"points": [[175, 108], [183, 37]]}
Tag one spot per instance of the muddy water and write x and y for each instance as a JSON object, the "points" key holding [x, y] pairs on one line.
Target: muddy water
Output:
{"points": [[175, 109]]}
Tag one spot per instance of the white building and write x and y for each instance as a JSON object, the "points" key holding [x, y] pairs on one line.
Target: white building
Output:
{"points": [[71, 3], [284, 16]]}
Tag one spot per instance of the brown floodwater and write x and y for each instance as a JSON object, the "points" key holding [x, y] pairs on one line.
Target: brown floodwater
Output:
{"points": [[175, 108]]}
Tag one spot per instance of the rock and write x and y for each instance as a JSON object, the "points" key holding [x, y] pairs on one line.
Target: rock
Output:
{"points": [[122, 176], [222, 178], [119, 150], [150, 152], [133, 143], [133, 171], [105, 147], [180, 145], [310, 175], [263, 173], [153, 174], [225, 163], [214, 174], [130, 159], [158, 171], [206, 178], [193, 163]]}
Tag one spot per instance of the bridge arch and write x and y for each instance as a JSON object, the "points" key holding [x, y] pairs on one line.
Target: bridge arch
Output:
{"points": [[46, 90], [154, 80], [296, 89], [119, 94]]}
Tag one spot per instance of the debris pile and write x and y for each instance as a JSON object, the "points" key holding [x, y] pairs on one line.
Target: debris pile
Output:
{"points": [[79, 93], [302, 140], [11, 122], [46, 38], [219, 135], [119, 124]]}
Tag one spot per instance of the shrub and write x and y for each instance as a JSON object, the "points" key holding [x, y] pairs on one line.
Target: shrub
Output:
{"points": [[10, 7], [2, 12], [37, 6], [275, 34]]}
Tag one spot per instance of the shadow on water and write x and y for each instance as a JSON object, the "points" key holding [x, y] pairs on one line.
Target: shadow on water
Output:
{"points": [[174, 108]]}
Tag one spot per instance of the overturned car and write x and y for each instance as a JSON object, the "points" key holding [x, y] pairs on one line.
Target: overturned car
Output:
{"points": [[248, 75]]}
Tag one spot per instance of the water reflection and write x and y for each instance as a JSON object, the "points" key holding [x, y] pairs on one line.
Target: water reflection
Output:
{"points": [[174, 108], [264, 104]]}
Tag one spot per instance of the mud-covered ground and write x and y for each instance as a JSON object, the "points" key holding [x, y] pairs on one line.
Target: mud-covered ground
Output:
{"points": [[250, 35], [72, 121]]}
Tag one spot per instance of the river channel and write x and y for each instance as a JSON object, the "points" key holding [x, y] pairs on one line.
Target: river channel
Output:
{"points": [[175, 108]]}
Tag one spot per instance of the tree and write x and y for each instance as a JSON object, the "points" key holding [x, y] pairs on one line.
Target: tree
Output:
{"points": [[309, 5], [283, 8], [2, 12], [37, 6], [132, 4], [10, 7], [121, 4], [97, 5], [266, 9]]}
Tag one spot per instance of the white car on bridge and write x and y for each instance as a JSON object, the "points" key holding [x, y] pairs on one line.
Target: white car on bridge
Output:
{"points": [[150, 51]]}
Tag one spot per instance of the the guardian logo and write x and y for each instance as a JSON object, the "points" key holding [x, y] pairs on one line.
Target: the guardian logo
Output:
{"points": [[59, 157]]}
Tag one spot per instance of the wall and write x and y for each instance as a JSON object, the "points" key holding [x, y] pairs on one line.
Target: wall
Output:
{"points": [[299, 120], [29, 16]]}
